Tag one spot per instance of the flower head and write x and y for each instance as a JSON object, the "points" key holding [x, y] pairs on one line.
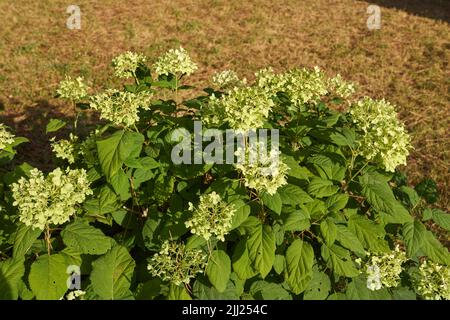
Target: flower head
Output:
{"points": [[300, 85], [121, 108], [432, 282], [384, 138], [72, 89], [243, 108], [177, 264], [227, 79], [6, 137], [50, 200], [341, 87], [65, 149], [383, 270], [125, 65], [265, 172], [212, 217], [176, 62]]}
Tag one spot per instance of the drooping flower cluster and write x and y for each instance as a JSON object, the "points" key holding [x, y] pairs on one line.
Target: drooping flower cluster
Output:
{"points": [[121, 107], [383, 270], [301, 85], [65, 149], [227, 79], [262, 172], [433, 281], [125, 65], [244, 108], [384, 138], [72, 89], [212, 217], [177, 264], [340, 87], [6, 137], [50, 200], [176, 62]]}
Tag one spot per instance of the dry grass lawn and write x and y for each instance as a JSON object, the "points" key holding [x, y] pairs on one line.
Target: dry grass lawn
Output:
{"points": [[406, 61]]}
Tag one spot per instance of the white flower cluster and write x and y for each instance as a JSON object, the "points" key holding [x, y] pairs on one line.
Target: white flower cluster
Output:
{"points": [[301, 85], [383, 270], [6, 137], [244, 108], [212, 217], [75, 295], [65, 149], [119, 107], [384, 138], [125, 65], [433, 281], [52, 199], [176, 264], [176, 62], [72, 89], [264, 172], [340, 87], [227, 79]]}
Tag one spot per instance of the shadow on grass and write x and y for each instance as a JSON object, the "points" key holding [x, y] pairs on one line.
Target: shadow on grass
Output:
{"points": [[434, 9], [30, 122]]}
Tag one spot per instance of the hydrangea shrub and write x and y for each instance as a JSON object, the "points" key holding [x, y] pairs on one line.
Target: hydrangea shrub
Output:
{"points": [[327, 216]]}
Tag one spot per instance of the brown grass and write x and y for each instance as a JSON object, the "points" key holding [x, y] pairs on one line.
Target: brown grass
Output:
{"points": [[407, 61]]}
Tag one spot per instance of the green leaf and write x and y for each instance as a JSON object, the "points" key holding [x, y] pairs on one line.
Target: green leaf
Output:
{"points": [[292, 195], [414, 235], [178, 293], [369, 233], [402, 293], [279, 263], [299, 264], [434, 249], [121, 185], [54, 125], [295, 170], [315, 209], [261, 248], [11, 272], [339, 260], [104, 202], [357, 290], [115, 149], [112, 273], [318, 288], [337, 201], [380, 196], [297, 220], [203, 290], [84, 238], [440, 217], [349, 240], [320, 188], [328, 166], [263, 290], [328, 231], [24, 239], [410, 194], [242, 212], [428, 190], [241, 261], [219, 269], [273, 202], [48, 277]]}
